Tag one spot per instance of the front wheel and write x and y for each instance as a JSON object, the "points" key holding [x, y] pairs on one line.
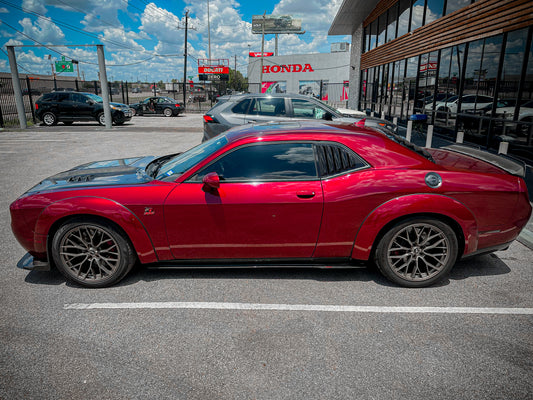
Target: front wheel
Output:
{"points": [[417, 253], [92, 253], [167, 112]]}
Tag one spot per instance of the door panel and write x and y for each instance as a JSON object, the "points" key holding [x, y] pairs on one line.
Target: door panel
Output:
{"points": [[244, 220]]}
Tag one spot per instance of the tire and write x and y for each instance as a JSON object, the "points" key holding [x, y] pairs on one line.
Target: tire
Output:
{"points": [[49, 119], [101, 118], [133, 112], [167, 112], [68, 122], [92, 253], [417, 252]]}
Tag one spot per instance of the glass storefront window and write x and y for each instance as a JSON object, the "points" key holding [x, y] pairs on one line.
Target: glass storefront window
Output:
{"points": [[404, 11], [512, 66], [433, 10], [373, 30], [393, 22], [454, 5], [410, 85], [382, 28], [417, 14]]}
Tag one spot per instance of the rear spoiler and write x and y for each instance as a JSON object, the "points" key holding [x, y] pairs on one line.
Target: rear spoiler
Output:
{"points": [[508, 164]]}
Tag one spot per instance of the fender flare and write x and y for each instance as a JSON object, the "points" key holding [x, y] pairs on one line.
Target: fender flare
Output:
{"points": [[100, 207], [440, 206]]}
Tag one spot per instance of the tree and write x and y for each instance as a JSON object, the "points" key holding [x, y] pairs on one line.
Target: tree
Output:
{"points": [[237, 81]]}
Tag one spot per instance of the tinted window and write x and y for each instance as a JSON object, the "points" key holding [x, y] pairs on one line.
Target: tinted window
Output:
{"points": [[61, 97], [272, 107], [335, 159], [265, 162], [307, 109], [241, 107], [78, 98]]}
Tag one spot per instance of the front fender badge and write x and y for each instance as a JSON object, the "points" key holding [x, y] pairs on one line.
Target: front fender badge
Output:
{"points": [[149, 211], [433, 180]]}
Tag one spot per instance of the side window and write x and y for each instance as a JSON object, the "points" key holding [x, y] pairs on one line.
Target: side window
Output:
{"points": [[62, 97], [78, 98], [241, 107], [272, 107], [265, 162], [49, 97], [335, 159], [307, 109]]}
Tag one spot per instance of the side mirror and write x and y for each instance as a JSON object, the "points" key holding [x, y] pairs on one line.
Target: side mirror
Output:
{"points": [[211, 181], [328, 116], [90, 101]]}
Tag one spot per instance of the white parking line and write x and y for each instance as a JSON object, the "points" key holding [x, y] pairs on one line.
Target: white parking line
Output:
{"points": [[300, 307]]}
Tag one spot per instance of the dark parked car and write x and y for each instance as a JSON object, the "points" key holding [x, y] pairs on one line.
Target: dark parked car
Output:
{"points": [[300, 193], [242, 109], [157, 105], [68, 107], [35, 92]]}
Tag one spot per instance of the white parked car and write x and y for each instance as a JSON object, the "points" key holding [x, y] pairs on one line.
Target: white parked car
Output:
{"points": [[469, 102]]}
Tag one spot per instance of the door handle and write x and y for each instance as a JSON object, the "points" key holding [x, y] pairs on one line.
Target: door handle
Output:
{"points": [[305, 194]]}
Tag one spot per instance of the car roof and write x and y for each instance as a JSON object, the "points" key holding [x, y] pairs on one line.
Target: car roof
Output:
{"points": [[236, 97]]}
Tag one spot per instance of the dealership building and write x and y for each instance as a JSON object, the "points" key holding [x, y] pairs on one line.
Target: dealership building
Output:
{"points": [[323, 75], [467, 65]]}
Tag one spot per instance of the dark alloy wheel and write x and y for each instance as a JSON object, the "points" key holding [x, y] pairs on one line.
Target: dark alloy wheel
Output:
{"points": [[417, 252], [49, 119], [92, 254], [167, 112]]}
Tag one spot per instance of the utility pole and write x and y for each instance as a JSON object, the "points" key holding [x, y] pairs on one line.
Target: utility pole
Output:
{"points": [[208, 31], [262, 54], [104, 86], [185, 61], [16, 87]]}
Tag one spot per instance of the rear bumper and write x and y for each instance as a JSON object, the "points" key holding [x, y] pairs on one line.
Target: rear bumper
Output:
{"points": [[29, 263]]}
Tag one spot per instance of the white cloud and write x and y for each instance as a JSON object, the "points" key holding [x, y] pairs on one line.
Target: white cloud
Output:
{"points": [[44, 30], [34, 5]]}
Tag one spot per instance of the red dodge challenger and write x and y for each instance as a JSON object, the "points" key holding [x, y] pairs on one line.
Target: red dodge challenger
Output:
{"points": [[299, 193]]}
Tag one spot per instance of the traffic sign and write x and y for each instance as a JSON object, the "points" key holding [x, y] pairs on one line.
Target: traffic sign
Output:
{"points": [[64, 66]]}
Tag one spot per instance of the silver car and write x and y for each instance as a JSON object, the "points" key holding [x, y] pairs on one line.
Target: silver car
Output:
{"points": [[259, 108]]}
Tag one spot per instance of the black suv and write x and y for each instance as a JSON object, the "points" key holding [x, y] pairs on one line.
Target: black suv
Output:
{"points": [[68, 107]]}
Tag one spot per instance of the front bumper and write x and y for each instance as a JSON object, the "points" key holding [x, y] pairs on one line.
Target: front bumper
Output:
{"points": [[29, 263]]}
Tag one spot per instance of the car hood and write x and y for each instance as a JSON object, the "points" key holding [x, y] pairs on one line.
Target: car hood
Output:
{"points": [[124, 171]]}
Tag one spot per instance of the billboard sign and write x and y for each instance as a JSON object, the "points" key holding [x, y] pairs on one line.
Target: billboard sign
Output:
{"points": [[276, 24], [258, 54], [213, 69]]}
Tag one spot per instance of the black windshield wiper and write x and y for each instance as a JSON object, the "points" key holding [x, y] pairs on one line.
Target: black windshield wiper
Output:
{"points": [[153, 168]]}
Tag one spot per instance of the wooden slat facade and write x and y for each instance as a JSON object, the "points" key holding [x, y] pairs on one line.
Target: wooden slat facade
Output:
{"points": [[382, 6], [482, 19]]}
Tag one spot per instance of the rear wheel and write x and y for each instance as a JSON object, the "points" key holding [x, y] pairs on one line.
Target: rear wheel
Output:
{"points": [[49, 119], [417, 252], [92, 253], [167, 112], [101, 118]]}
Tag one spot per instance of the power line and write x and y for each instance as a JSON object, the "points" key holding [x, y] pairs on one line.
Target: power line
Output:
{"points": [[20, 66]]}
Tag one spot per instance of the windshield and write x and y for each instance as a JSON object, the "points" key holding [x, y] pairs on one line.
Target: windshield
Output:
{"points": [[184, 161], [95, 98]]}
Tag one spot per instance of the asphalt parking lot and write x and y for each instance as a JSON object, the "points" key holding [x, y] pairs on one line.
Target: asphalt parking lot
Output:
{"points": [[247, 334]]}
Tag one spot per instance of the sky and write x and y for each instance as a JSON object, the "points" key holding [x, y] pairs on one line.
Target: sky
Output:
{"points": [[144, 40]]}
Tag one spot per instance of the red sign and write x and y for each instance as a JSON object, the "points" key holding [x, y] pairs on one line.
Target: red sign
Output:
{"points": [[431, 66], [213, 69], [274, 69], [258, 54]]}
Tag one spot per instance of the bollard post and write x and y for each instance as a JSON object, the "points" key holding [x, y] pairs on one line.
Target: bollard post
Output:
{"points": [[409, 130], [429, 136], [504, 146], [395, 120], [383, 115], [460, 137]]}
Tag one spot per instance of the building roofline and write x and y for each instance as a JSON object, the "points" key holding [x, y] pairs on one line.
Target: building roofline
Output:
{"points": [[351, 14]]}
